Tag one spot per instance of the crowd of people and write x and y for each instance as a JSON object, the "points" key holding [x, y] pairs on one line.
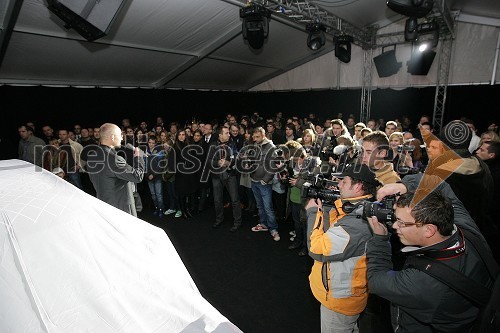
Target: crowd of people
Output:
{"points": [[318, 174]]}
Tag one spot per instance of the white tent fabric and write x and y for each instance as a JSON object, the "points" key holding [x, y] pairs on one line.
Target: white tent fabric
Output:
{"points": [[72, 263], [473, 57], [193, 44]]}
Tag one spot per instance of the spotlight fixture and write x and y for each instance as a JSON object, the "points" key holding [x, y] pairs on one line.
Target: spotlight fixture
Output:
{"points": [[255, 24], [343, 47], [316, 38], [411, 26], [386, 63], [428, 33], [421, 61], [411, 8]]}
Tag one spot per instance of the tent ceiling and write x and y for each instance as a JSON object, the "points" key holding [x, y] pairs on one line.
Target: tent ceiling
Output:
{"points": [[188, 44]]}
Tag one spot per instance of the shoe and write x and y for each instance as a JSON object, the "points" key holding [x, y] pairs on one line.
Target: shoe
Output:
{"points": [[178, 213], [275, 235], [294, 246], [216, 224], [292, 238], [303, 252], [260, 227], [227, 205], [235, 227], [155, 213], [160, 213], [292, 233], [169, 211]]}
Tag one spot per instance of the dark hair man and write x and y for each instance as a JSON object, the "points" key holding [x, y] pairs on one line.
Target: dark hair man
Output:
{"points": [[338, 247], [30, 147], [262, 187], [110, 174], [375, 151], [428, 227], [222, 164]]}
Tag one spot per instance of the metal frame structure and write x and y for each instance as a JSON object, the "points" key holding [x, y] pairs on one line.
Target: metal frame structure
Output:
{"points": [[366, 89], [302, 12]]}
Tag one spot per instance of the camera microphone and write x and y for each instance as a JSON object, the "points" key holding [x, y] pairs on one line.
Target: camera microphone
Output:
{"points": [[340, 149]]}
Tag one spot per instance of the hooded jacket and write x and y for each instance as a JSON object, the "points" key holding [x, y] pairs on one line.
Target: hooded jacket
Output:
{"points": [[264, 162]]}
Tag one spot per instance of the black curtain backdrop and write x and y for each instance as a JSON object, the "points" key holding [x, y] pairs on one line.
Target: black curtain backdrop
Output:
{"points": [[64, 107]]}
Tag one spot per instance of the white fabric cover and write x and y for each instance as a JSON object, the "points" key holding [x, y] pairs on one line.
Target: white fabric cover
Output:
{"points": [[72, 263]]}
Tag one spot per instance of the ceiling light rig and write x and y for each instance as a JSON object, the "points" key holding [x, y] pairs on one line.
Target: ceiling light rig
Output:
{"points": [[255, 28], [316, 38], [343, 47]]}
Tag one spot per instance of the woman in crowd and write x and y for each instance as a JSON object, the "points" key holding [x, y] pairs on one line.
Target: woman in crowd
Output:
{"points": [[245, 181], [308, 142], [185, 184], [154, 171], [399, 157], [290, 132]]}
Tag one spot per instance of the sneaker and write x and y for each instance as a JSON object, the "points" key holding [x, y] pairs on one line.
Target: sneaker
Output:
{"points": [[292, 238], [292, 233], [259, 227], [169, 211], [275, 235], [178, 213]]}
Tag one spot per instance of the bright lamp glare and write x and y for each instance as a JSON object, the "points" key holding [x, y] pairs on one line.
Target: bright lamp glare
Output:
{"points": [[423, 47]]}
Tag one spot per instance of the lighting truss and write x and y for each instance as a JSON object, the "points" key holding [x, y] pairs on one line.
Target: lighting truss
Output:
{"points": [[303, 12]]}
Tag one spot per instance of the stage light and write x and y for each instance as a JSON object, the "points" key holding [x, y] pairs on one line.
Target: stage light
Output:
{"points": [[411, 8], [343, 47], [255, 26], [420, 62], [428, 33], [386, 63], [316, 38], [411, 26]]}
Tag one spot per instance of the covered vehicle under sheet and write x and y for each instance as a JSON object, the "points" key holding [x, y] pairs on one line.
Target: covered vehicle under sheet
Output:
{"points": [[72, 263]]}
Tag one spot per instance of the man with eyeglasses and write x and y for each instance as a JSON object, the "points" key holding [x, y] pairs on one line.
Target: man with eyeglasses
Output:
{"points": [[429, 223], [337, 243]]}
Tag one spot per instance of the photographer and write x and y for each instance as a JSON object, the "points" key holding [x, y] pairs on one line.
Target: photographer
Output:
{"points": [[301, 165], [344, 154], [338, 246], [431, 225]]}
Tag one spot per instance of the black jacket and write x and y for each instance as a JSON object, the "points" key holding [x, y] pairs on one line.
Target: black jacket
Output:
{"points": [[420, 303]]}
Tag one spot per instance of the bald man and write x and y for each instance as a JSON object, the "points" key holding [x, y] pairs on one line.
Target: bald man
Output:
{"points": [[110, 174]]}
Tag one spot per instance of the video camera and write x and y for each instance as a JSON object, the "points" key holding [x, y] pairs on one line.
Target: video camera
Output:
{"points": [[328, 152], [317, 187], [405, 148]]}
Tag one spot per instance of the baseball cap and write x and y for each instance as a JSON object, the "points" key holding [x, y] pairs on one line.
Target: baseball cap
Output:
{"points": [[361, 172]]}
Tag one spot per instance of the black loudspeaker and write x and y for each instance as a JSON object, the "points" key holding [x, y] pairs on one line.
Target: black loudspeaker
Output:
{"points": [[386, 63], [411, 8], [92, 19], [420, 62]]}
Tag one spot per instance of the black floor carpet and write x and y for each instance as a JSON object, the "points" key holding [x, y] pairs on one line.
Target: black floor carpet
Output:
{"points": [[257, 283]]}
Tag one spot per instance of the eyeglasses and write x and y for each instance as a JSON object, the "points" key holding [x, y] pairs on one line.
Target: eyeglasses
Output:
{"points": [[403, 224]]}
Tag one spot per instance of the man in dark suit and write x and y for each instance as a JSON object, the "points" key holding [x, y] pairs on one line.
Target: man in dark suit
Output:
{"points": [[110, 174]]}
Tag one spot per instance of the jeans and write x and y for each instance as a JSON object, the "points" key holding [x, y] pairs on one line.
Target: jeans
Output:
{"points": [[264, 198], [231, 186], [172, 198], [299, 225], [156, 189], [74, 178]]}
